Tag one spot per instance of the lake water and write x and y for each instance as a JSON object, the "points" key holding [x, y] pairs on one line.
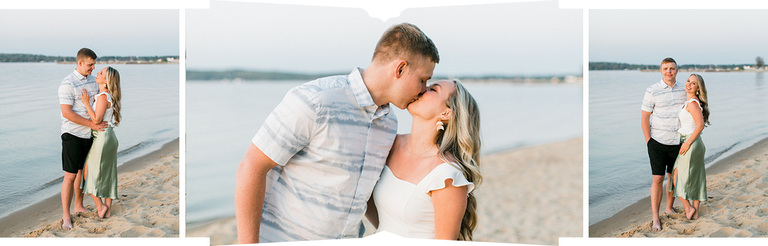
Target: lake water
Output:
{"points": [[222, 117], [619, 169], [30, 125]]}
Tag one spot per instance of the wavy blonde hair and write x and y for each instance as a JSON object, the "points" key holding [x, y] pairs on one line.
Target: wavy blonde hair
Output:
{"points": [[702, 96], [113, 86], [460, 143]]}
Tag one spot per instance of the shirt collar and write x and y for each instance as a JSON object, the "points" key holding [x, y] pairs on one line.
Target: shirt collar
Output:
{"points": [[665, 85], [361, 92], [79, 76]]}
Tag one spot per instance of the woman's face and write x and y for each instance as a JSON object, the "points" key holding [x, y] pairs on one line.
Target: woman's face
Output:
{"points": [[692, 84], [101, 76], [433, 102]]}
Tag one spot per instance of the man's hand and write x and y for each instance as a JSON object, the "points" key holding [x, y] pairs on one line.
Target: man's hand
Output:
{"points": [[99, 127]]}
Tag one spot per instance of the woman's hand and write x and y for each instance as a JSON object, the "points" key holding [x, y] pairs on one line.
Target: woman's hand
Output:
{"points": [[684, 147], [84, 96]]}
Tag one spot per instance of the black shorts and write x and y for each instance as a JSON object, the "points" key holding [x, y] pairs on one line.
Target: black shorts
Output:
{"points": [[74, 150], [662, 156]]}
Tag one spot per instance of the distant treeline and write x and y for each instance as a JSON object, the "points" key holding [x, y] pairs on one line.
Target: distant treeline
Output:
{"points": [[115, 59], [251, 75], [246, 75], [626, 66]]}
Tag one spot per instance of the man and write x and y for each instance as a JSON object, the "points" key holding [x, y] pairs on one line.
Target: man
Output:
{"points": [[661, 105], [76, 131], [313, 164]]}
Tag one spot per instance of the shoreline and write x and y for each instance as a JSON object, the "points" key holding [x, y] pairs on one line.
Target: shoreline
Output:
{"points": [[635, 218], [508, 175], [30, 216]]}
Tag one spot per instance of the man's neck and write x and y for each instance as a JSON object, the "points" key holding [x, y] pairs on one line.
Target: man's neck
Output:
{"points": [[669, 83], [372, 80]]}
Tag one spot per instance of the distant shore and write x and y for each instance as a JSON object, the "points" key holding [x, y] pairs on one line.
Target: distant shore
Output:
{"points": [[147, 206], [737, 206], [531, 195]]}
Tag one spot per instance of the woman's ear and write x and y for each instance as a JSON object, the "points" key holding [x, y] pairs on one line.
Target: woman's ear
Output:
{"points": [[447, 114]]}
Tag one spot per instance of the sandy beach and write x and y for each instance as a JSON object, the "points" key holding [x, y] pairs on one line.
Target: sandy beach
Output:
{"points": [[737, 189], [147, 204], [531, 195]]}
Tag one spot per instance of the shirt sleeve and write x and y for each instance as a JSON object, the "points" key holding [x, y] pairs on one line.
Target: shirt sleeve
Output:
{"points": [[648, 102], [65, 94], [289, 128]]}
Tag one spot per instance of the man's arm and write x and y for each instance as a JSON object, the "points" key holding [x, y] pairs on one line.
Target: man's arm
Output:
{"points": [[66, 111], [250, 185], [645, 122]]}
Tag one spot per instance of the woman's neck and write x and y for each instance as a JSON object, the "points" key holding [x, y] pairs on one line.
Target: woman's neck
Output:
{"points": [[692, 95], [422, 138]]}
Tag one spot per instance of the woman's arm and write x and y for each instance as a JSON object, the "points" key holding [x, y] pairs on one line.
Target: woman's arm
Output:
{"points": [[449, 203], [698, 118], [101, 107]]}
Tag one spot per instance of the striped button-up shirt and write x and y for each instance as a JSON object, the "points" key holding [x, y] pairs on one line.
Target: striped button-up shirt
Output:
{"points": [[664, 102], [69, 94], [330, 142]]}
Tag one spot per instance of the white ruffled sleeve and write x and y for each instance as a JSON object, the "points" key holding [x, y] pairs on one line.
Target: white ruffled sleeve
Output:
{"points": [[436, 179]]}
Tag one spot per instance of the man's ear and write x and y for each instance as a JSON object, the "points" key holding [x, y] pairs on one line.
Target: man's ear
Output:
{"points": [[400, 68]]}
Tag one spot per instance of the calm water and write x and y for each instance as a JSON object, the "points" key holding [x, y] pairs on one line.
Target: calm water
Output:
{"points": [[223, 117], [619, 169], [30, 125]]}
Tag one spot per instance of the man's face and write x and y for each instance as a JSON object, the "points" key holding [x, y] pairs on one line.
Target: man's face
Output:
{"points": [[669, 71], [85, 66], [413, 81]]}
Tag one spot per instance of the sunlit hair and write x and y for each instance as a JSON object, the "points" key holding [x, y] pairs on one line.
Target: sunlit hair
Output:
{"points": [[113, 86], [85, 53], [702, 96], [460, 143], [404, 41], [669, 60]]}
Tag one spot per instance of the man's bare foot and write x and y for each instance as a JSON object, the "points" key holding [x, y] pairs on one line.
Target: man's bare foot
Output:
{"points": [[689, 214], [66, 223], [81, 209], [102, 211], [656, 225], [670, 211]]}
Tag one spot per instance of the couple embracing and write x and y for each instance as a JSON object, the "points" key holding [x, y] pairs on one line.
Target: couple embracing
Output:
{"points": [[90, 109], [329, 154], [673, 118]]}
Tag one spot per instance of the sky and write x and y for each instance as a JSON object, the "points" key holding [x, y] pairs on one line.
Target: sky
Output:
{"points": [[530, 38], [689, 36], [107, 32]]}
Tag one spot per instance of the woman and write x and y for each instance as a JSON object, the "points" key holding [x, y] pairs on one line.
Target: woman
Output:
{"points": [[425, 189], [689, 180], [100, 177]]}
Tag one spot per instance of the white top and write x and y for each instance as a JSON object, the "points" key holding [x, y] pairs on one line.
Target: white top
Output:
{"points": [[687, 125], [330, 141], [69, 93], [664, 103], [108, 115], [405, 208]]}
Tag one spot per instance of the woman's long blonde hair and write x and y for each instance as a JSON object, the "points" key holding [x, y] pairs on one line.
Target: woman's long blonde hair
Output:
{"points": [[113, 86], [460, 143], [702, 96]]}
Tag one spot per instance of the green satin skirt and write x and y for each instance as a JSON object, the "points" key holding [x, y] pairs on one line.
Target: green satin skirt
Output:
{"points": [[100, 178], [691, 179]]}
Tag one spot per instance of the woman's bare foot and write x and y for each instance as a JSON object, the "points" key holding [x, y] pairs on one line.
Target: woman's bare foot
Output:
{"points": [[689, 214], [656, 225], [109, 212], [103, 211], [66, 223]]}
